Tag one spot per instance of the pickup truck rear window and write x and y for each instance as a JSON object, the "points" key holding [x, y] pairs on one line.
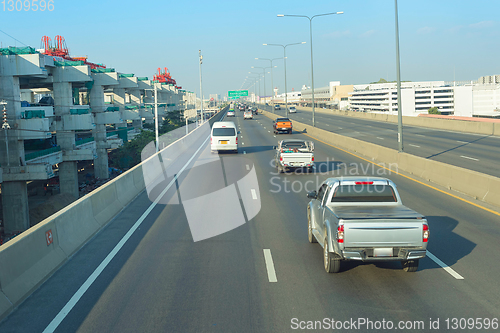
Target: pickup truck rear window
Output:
{"points": [[364, 193], [224, 131]]}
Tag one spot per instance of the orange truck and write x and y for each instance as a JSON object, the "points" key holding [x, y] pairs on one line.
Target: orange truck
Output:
{"points": [[282, 125]]}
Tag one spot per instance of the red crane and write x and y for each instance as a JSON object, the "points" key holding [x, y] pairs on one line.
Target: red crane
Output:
{"points": [[164, 77], [61, 50]]}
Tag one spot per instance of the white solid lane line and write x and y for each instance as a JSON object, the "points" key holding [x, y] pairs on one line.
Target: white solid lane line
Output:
{"points": [[444, 266], [90, 280], [413, 145], [470, 158], [271, 273], [254, 194]]}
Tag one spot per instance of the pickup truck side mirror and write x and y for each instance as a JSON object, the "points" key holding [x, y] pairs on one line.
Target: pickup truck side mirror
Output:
{"points": [[239, 132], [312, 195]]}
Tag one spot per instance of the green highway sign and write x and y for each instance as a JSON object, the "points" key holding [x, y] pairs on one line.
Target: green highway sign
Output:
{"points": [[237, 93]]}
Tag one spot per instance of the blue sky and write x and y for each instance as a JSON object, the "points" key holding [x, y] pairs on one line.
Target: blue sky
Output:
{"points": [[439, 40]]}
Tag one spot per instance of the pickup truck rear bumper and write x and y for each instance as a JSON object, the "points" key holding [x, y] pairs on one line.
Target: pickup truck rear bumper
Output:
{"points": [[398, 254]]}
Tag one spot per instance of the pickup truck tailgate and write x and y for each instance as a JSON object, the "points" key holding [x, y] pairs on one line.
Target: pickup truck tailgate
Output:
{"points": [[283, 124], [383, 233], [297, 158]]}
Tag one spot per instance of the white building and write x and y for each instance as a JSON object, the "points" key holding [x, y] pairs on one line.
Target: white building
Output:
{"points": [[466, 98], [292, 97], [322, 96], [481, 98], [416, 97]]}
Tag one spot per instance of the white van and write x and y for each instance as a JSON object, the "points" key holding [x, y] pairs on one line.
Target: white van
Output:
{"points": [[224, 136]]}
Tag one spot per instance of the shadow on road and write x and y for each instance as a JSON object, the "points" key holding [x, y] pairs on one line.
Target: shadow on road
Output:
{"points": [[446, 245], [459, 146]]}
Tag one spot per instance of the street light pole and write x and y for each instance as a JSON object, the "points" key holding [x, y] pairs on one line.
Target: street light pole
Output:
{"points": [[264, 71], [284, 65], [398, 75], [201, 88], [312, 70], [272, 84], [259, 76], [156, 117]]}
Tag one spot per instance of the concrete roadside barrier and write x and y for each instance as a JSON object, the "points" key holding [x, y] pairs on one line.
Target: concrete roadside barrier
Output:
{"points": [[105, 204], [478, 185], [75, 224], [26, 260], [30, 258]]}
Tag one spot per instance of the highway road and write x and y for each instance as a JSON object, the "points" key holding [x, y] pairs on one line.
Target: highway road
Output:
{"points": [[264, 276], [471, 151]]}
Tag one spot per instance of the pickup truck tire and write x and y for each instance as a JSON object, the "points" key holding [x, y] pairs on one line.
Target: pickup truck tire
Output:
{"points": [[410, 265], [332, 264], [289, 131], [310, 235]]}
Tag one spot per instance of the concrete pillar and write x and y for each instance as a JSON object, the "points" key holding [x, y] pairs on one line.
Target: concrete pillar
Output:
{"points": [[135, 99], [16, 214], [14, 194], [148, 100], [99, 133], [68, 172], [119, 101]]}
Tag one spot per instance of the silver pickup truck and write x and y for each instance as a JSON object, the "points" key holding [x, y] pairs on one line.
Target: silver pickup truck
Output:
{"points": [[294, 153], [363, 218]]}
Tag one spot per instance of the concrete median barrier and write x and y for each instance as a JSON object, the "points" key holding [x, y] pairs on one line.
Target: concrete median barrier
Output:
{"points": [[478, 185]]}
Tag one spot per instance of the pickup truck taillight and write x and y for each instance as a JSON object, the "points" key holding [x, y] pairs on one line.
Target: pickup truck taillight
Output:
{"points": [[425, 233], [236, 140], [281, 158], [340, 233], [313, 159]]}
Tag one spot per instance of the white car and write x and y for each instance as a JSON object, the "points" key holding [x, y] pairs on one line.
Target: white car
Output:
{"points": [[248, 115], [224, 136], [292, 109], [230, 113]]}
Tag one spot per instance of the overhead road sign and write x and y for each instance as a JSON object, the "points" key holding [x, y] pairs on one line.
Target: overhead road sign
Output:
{"points": [[237, 93]]}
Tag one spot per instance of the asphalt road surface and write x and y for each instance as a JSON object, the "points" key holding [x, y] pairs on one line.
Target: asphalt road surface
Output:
{"points": [[264, 276], [471, 151]]}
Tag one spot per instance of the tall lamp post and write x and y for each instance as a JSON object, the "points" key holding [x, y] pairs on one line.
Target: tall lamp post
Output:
{"points": [[398, 74], [284, 65], [201, 89], [258, 77], [272, 84], [311, 37], [264, 72]]}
